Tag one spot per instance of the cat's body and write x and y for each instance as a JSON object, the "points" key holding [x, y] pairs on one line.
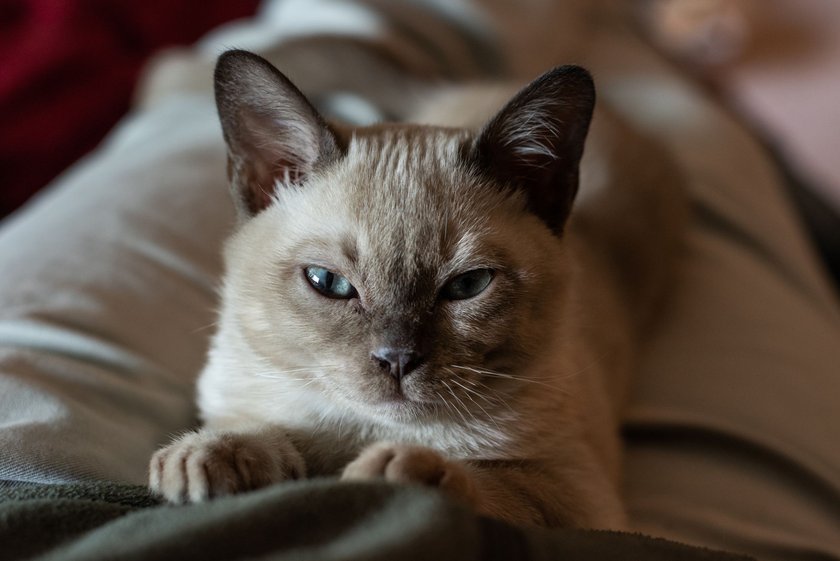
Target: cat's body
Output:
{"points": [[488, 339]]}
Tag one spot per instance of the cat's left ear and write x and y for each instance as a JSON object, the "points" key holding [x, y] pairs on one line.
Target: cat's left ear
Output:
{"points": [[536, 141], [273, 134]]}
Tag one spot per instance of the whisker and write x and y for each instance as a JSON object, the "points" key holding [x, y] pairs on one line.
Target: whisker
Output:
{"points": [[494, 393], [308, 368], [463, 405], [477, 404], [487, 399], [502, 375], [281, 374], [307, 381], [443, 400], [204, 327], [472, 391], [466, 423], [340, 425], [589, 366], [493, 374]]}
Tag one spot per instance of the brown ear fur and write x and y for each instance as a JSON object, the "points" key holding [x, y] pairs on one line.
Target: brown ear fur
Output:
{"points": [[536, 141], [273, 133]]}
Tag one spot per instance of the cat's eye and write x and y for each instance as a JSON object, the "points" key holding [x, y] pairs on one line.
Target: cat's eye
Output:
{"points": [[331, 285], [467, 285]]}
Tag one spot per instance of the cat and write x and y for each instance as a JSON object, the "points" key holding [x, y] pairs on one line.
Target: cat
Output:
{"points": [[419, 302]]}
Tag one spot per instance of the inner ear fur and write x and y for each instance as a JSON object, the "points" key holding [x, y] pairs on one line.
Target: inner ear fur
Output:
{"points": [[536, 141], [274, 135]]}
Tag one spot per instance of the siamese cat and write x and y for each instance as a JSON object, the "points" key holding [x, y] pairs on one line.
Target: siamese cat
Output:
{"points": [[420, 303]]}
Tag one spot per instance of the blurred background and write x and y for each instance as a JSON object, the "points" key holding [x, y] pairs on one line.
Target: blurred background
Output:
{"points": [[775, 64], [68, 69], [67, 72]]}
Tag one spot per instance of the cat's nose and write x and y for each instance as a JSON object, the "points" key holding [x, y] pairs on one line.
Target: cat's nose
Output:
{"points": [[399, 363]]}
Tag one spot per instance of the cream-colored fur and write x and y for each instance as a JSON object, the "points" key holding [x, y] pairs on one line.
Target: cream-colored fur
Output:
{"points": [[515, 410]]}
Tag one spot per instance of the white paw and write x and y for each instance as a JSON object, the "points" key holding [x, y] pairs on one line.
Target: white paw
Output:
{"points": [[400, 463], [202, 465]]}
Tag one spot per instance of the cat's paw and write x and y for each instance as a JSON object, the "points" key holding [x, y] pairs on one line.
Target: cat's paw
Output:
{"points": [[202, 465], [400, 463]]}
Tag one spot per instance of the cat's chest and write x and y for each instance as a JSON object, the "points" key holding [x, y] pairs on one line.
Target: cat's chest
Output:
{"points": [[337, 432]]}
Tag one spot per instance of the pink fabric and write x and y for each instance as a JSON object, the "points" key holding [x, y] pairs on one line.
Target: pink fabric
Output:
{"points": [[788, 84]]}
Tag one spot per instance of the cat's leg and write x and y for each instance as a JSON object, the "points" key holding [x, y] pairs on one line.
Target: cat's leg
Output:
{"points": [[208, 463], [519, 492], [579, 495]]}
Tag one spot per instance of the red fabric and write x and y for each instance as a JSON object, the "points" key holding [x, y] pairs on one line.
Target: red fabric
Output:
{"points": [[68, 69]]}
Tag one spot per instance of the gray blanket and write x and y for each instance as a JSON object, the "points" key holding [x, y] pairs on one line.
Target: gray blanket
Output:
{"points": [[318, 520]]}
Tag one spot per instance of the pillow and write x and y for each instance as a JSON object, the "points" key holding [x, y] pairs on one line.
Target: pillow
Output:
{"points": [[107, 297]]}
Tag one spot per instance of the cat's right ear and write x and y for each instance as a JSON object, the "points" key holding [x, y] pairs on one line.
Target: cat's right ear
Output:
{"points": [[535, 143], [274, 135]]}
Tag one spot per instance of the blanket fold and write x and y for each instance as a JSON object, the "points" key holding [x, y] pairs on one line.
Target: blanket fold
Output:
{"points": [[314, 520]]}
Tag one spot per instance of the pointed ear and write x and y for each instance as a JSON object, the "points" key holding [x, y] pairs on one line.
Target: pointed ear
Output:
{"points": [[273, 134], [536, 141]]}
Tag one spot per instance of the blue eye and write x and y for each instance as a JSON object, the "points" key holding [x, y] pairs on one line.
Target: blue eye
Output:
{"points": [[331, 285], [467, 285]]}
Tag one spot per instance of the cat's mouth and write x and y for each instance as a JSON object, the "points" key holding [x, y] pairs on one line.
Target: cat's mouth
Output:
{"points": [[388, 397], [394, 396], [401, 400]]}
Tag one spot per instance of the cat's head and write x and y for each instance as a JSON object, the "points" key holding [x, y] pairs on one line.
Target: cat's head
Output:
{"points": [[399, 269]]}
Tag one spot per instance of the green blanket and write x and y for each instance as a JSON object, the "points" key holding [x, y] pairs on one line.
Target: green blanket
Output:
{"points": [[318, 520]]}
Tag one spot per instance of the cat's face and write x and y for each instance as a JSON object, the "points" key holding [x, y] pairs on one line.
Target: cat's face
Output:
{"points": [[395, 269], [394, 254]]}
